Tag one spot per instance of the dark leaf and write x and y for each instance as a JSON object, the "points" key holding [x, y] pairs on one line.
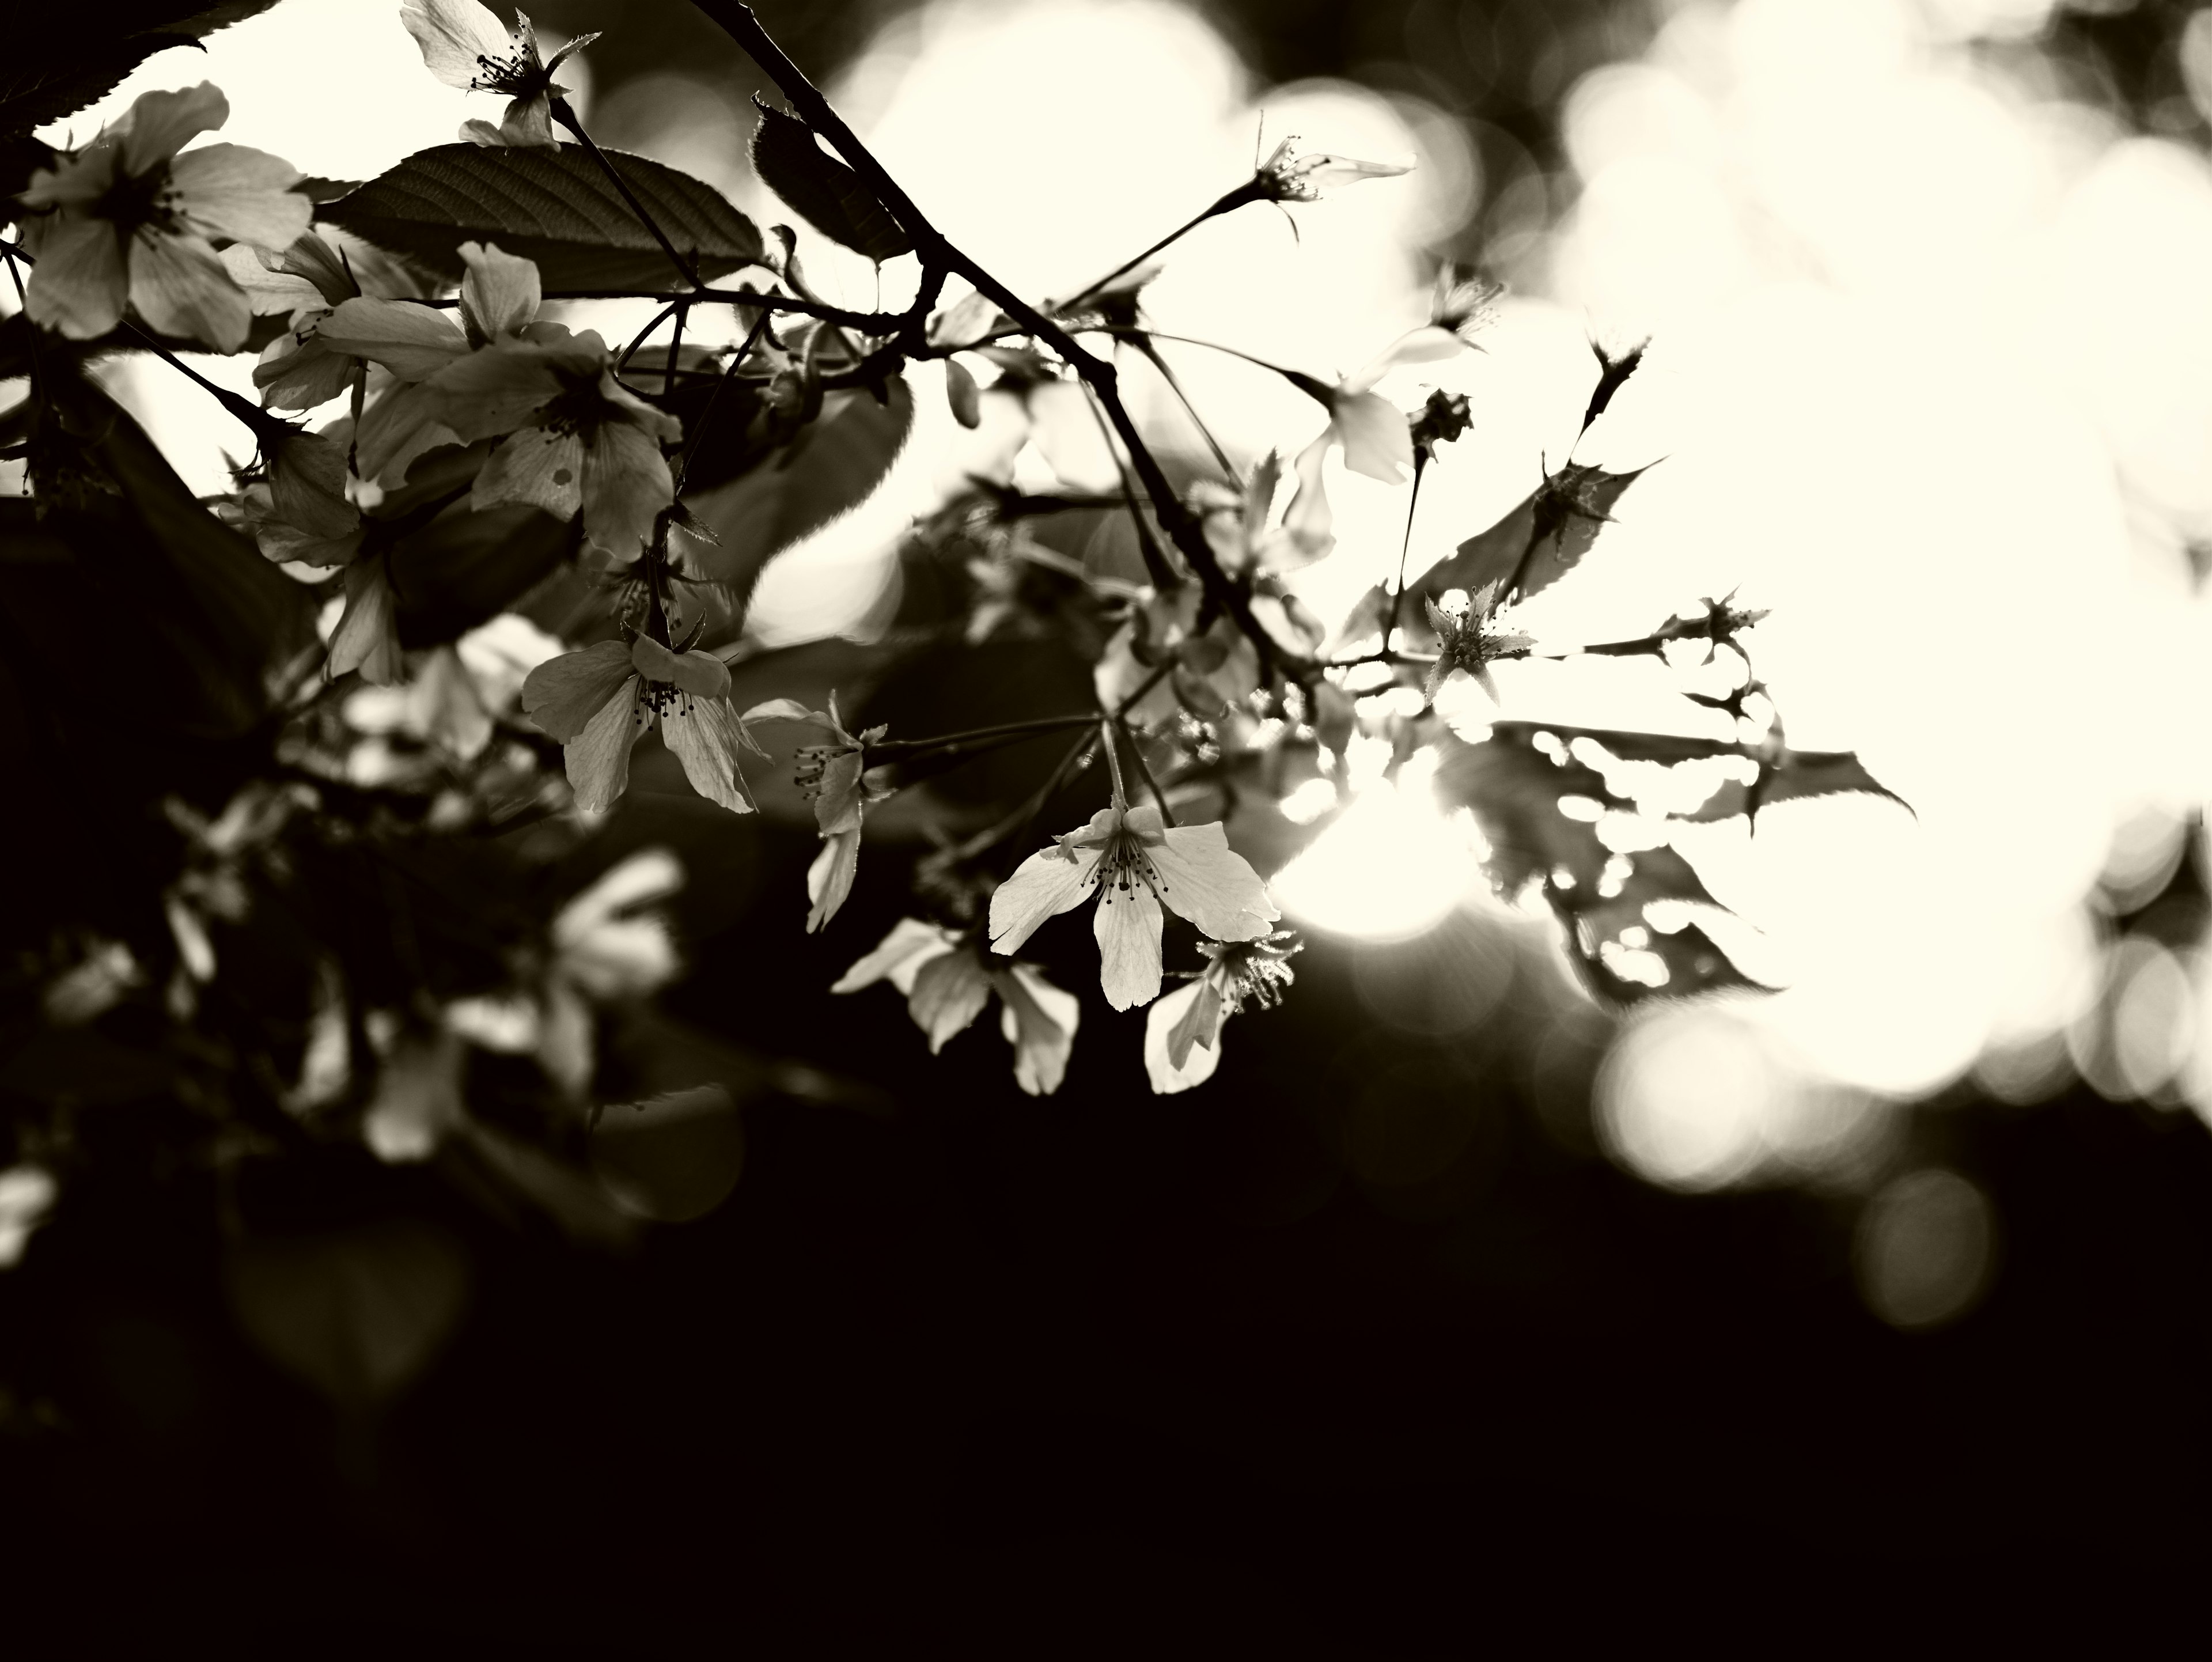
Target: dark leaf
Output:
{"points": [[1599, 894], [1787, 775], [673, 1157], [465, 567], [60, 58], [829, 469], [1544, 538], [826, 192], [552, 205]]}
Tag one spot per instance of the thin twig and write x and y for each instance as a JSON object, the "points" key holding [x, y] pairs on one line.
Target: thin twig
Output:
{"points": [[567, 117]]}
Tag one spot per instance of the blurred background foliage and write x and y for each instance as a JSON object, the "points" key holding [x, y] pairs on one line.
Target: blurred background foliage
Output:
{"points": [[1385, 1341]]}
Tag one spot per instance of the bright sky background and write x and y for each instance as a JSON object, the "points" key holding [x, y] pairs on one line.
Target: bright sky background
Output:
{"points": [[1931, 379]]}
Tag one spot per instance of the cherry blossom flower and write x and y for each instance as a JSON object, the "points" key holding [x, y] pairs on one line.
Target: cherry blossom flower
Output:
{"points": [[1136, 864], [598, 702], [1283, 177], [127, 220], [605, 946], [1466, 641], [836, 776], [308, 281], [499, 301], [465, 45], [1183, 1030], [948, 983]]}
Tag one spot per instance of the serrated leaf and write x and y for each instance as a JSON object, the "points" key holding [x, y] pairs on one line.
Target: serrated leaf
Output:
{"points": [[61, 58], [833, 465], [1542, 539], [1788, 775], [551, 205], [829, 195]]}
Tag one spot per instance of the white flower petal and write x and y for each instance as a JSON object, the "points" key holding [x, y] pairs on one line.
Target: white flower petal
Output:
{"points": [[701, 674], [1203, 880], [1039, 1020], [536, 466], [1049, 882], [1177, 1010], [178, 286], [950, 991], [270, 291], [703, 734], [626, 485], [647, 876], [897, 957], [500, 295], [562, 694], [368, 634], [230, 190], [161, 124], [495, 390], [413, 341], [829, 878], [598, 759], [1128, 928], [1376, 440], [454, 34], [82, 279]]}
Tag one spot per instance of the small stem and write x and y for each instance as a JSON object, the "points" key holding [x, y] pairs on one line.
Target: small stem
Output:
{"points": [[1156, 560], [1398, 598], [675, 350], [1248, 191], [691, 439], [1113, 760], [903, 747], [1174, 384], [567, 117], [621, 362], [1145, 772]]}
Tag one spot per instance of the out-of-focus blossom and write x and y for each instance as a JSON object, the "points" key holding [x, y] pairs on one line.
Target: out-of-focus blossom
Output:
{"points": [[418, 1099], [1183, 1030], [1137, 864], [837, 777], [465, 46], [127, 220], [1285, 177], [948, 982], [26, 1194], [597, 702], [605, 946]]}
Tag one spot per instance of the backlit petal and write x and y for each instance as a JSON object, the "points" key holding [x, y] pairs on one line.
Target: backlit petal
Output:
{"points": [[178, 286], [537, 466], [79, 285], [626, 485], [161, 124], [230, 190], [1039, 1020], [702, 735], [453, 34], [528, 123], [562, 694], [1376, 440], [300, 371], [1128, 931], [599, 757], [271, 291], [395, 429], [1050, 881], [74, 181], [1306, 522], [495, 390], [1203, 880], [500, 295], [701, 674], [1426, 345], [413, 341]]}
